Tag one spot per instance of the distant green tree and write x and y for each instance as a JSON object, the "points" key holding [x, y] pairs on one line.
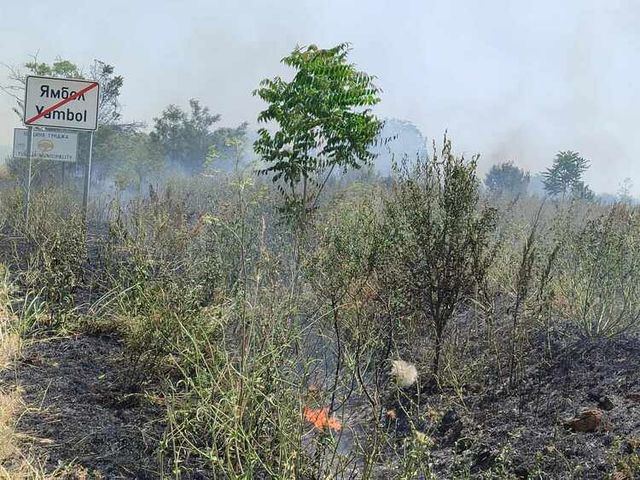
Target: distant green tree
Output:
{"points": [[565, 175], [107, 147], [581, 191], [185, 136], [507, 178], [324, 120], [624, 191], [138, 157], [109, 95], [230, 144], [59, 68]]}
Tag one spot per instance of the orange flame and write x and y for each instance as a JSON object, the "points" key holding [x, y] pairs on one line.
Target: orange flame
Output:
{"points": [[320, 419]]}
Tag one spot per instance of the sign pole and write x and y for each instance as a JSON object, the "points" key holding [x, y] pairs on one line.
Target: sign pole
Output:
{"points": [[29, 142], [87, 179]]}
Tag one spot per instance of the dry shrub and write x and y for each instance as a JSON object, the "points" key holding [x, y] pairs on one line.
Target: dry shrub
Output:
{"points": [[438, 234], [599, 283]]}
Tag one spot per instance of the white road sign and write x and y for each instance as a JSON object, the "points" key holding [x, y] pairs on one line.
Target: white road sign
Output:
{"points": [[46, 145], [61, 102]]}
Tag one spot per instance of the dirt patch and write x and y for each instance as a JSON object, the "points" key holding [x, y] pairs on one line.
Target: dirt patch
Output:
{"points": [[83, 411]]}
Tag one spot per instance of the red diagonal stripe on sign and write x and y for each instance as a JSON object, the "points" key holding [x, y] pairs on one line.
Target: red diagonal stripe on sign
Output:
{"points": [[62, 102]]}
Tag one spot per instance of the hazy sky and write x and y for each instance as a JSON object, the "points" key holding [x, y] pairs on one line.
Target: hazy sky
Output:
{"points": [[510, 80]]}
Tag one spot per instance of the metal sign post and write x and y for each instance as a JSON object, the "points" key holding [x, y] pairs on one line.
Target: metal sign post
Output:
{"points": [[29, 140], [87, 180]]}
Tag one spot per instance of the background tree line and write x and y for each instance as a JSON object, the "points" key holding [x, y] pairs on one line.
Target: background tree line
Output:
{"points": [[189, 140]]}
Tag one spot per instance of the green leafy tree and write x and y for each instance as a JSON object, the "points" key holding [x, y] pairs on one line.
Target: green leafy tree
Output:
{"points": [[506, 178], [565, 175], [324, 120]]}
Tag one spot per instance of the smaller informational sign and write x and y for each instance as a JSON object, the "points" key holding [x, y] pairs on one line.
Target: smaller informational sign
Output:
{"points": [[46, 145]]}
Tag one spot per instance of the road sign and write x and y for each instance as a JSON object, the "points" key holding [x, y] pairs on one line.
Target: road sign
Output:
{"points": [[46, 145], [61, 103]]}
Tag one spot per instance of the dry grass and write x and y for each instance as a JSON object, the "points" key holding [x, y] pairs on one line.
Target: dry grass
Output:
{"points": [[14, 464], [9, 348], [245, 316], [9, 401], [4, 172], [9, 406]]}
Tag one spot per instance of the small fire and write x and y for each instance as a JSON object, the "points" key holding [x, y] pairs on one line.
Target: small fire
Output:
{"points": [[320, 419]]}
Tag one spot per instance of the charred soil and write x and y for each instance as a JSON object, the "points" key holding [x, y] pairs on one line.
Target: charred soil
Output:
{"points": [[83, 415]]}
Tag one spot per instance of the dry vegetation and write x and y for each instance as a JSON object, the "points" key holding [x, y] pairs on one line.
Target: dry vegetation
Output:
{"points": [[15, 462], [229, 344]]}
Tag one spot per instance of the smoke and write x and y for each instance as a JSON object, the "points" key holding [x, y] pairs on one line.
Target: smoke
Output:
{"points": [[512, 81]]}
